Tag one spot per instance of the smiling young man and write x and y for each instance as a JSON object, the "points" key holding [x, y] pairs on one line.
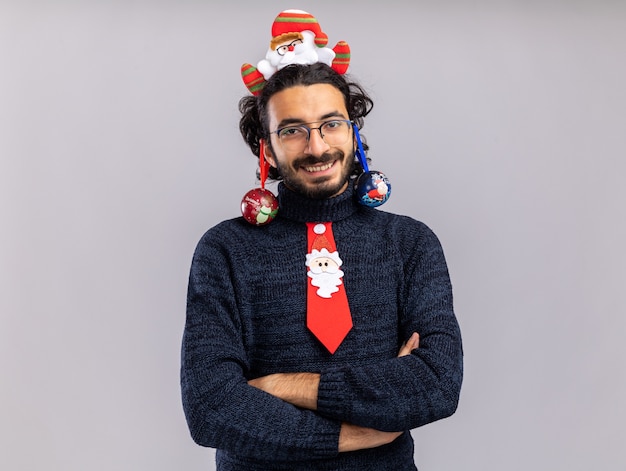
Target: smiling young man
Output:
{"points": [[313, 167], [319, 340]]}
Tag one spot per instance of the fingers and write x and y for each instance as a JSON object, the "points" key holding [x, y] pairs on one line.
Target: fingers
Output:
{"points": [[410, 345], [353, 437], [414, 341]]}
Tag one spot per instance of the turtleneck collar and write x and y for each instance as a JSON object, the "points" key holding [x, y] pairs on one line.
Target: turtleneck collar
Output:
{"points": [[299, 208]]}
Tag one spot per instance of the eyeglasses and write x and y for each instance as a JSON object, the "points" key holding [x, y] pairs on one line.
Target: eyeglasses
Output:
{"points": [[282, 50], [295, 138]]}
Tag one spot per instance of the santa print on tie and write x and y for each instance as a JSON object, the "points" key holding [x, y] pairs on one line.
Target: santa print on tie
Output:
{"points": [[328, 312]]}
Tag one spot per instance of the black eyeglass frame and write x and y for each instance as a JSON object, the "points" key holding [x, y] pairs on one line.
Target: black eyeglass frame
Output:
{"points": [[282, 50], [306, 126]]}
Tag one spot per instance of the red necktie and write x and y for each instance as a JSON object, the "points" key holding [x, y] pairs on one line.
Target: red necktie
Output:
{"points": [[328, 312]]}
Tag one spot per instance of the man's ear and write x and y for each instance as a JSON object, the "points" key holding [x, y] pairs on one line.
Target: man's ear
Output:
{"points": [[269, 155]]}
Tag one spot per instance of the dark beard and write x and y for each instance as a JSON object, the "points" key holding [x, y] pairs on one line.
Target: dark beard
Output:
{"points": [[320, 190]]}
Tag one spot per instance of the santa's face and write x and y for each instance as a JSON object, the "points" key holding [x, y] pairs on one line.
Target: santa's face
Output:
{"points": [[299, 49], [319, 170], [323, 265], [324, 272]]}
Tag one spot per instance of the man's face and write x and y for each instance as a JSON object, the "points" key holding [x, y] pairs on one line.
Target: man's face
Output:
{"points": [[319, 170]]}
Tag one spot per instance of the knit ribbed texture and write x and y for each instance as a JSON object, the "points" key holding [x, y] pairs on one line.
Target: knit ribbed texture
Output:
{"points": [[246, 317]]}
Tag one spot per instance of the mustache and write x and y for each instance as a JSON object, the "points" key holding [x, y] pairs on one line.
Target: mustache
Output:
{"points": [[308, 160]]}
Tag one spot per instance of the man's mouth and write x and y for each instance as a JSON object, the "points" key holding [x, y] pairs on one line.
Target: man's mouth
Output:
{"points": [[318, 168]]}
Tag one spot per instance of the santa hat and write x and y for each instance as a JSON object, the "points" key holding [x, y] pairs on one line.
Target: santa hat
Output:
{"points": [[322, 246], [321, 242], [296, 21]]}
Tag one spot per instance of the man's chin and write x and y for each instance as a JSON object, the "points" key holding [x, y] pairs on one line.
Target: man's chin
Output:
{"points": [[318, 189], [324, 190]]}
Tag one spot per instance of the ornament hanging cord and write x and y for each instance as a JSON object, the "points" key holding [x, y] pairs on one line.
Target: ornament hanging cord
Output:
{"points": [[360, 153], [264, 165]]}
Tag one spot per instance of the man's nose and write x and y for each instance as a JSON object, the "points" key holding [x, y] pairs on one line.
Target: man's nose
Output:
{"points": [[316, 144]]}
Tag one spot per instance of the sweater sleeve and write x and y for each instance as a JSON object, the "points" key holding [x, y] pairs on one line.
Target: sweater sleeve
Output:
{"points": [[221, 409], [414, 390]]}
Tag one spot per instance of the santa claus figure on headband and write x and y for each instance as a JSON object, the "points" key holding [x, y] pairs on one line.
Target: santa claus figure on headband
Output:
{"points": [[297, 38]]}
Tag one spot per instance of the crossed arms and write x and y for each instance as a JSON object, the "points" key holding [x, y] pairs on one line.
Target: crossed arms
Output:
{"points": [[301, 390]]}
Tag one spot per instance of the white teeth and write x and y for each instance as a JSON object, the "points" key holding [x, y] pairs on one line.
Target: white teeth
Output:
{"points": [[319, 169]]}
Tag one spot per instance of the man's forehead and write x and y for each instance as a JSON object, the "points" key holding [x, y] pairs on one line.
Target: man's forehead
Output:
{"points": [[307, 102]]}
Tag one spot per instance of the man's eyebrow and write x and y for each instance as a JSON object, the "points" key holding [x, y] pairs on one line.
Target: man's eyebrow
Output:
{"points": [[291, 121]]}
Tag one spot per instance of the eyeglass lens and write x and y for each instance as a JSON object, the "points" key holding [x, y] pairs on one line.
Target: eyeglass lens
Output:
{"points": [[334, 133]]}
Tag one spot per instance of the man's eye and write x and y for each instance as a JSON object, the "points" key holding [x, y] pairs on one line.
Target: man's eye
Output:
{"points": [[332, 125], [292, 132]]}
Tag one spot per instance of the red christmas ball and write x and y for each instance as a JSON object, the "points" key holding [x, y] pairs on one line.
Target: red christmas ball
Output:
{"points": [[259, 206]]}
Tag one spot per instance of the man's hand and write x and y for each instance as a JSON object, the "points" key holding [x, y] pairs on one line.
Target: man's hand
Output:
{"points": [[299, 389], [353, 437], [409, 345]]}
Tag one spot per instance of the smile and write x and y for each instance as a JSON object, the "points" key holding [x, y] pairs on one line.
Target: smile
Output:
{"points": [[319, 168]]}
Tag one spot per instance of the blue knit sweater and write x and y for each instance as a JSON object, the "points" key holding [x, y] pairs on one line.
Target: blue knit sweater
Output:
{"points": [[246, 311]]}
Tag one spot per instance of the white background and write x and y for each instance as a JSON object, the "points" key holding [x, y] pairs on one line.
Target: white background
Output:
{"points": [[501, 124]]}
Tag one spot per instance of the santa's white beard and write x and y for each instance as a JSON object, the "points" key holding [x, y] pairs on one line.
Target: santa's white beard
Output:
{"points": [[327, 283]]}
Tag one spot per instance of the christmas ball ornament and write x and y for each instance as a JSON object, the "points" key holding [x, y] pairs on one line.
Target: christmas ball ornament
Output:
{"points": [[372, 188], [259, 206]]}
